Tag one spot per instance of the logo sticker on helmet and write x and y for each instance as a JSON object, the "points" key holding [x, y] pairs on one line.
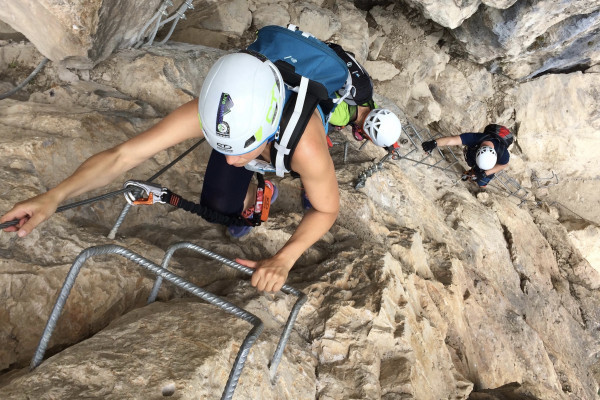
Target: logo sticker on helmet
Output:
{"points": [[224, 147], [225, 106]]}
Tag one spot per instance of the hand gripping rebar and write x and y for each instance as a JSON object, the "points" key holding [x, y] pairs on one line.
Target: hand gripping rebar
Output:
{"points": [[248, 271], [242, 354]]}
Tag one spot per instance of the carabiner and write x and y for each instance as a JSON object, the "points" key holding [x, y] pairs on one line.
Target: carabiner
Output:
{"points": [[153, 193]]}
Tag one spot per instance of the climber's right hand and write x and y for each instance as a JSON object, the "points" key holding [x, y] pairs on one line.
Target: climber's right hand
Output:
{"points": [[30, 213], [429, 145]]}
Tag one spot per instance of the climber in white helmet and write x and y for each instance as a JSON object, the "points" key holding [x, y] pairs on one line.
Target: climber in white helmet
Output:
{"points": [[486, 153], [379, 125], [238, 112]]}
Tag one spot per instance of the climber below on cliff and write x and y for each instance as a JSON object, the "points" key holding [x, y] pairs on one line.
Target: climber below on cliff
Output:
{"points": [[379, 125], [359, 111], [486, 153]]}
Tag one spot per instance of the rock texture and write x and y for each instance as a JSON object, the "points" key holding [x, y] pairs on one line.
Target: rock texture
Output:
{"points": [[560, 133], [79, 33], [421, 289], [144, 354], [424, 288], [522, 38]]}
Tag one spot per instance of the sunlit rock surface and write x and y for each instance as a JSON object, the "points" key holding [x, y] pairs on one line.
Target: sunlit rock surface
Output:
{"points": [[560, 133], [424, 288]]}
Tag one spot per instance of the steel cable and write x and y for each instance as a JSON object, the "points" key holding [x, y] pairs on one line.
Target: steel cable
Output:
{"points": [[26, 81], [116, 192]]}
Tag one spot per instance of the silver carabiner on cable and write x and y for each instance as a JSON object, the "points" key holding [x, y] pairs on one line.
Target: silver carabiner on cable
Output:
{"points": [[153, 193]]}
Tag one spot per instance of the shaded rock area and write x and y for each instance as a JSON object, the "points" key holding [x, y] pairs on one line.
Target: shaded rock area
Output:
{"points": [[425, 288], [542, 121], [522, 38], [80, 33]]}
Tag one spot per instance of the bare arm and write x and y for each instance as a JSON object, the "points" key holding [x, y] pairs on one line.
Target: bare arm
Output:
{"points": [[104, 167], [315, 166], [449, 141], [497, 168], [313, 162]]}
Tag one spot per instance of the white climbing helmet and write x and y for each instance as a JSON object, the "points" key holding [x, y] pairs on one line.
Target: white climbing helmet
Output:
{"points": [[383, 127], [486, 157], [241, 102]]}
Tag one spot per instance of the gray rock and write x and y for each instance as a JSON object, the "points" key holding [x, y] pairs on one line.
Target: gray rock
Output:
{"points": [[78, 34], [533, 37]]}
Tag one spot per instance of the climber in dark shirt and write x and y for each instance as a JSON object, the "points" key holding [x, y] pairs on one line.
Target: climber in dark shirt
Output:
{"points": [[486, 153]]}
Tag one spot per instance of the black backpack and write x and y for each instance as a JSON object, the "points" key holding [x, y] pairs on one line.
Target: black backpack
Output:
{"points": [[362, 85], [493, 131], [502, 133]]}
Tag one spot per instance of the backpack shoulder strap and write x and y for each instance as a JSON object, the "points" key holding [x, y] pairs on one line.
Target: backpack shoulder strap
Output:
{"points": [[358, 89], [295, 116]]}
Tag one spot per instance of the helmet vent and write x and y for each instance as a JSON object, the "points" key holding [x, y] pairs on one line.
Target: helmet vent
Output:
{"points": [[250, 140]]}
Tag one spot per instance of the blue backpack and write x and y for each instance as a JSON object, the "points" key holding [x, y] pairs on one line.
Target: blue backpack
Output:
{"points": [[312, 71]]}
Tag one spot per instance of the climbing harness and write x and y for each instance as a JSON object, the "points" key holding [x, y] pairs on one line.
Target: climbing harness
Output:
{"points": [[147, 193], [468, 175], [163, 273]]}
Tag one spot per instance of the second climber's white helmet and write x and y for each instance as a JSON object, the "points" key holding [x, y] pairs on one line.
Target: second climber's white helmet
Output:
{"points": [[486, 157], [241, 102], [383, 127]]}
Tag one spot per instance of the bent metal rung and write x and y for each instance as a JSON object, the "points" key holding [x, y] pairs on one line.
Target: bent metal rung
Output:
{"points": [[248, 271], [242, 354]]}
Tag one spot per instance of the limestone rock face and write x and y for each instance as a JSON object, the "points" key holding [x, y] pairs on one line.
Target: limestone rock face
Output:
{"points": [[521, 39], [219, 16], [176, 76], [169, 349], [424, 288], [320, 22], [420, 288], [270, 14], [447, 13], [78, 33], [529, 38], [560, 133], [585, 241]]}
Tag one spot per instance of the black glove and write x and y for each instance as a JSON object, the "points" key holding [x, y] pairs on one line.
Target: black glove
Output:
{"points": [[429, 145]]}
